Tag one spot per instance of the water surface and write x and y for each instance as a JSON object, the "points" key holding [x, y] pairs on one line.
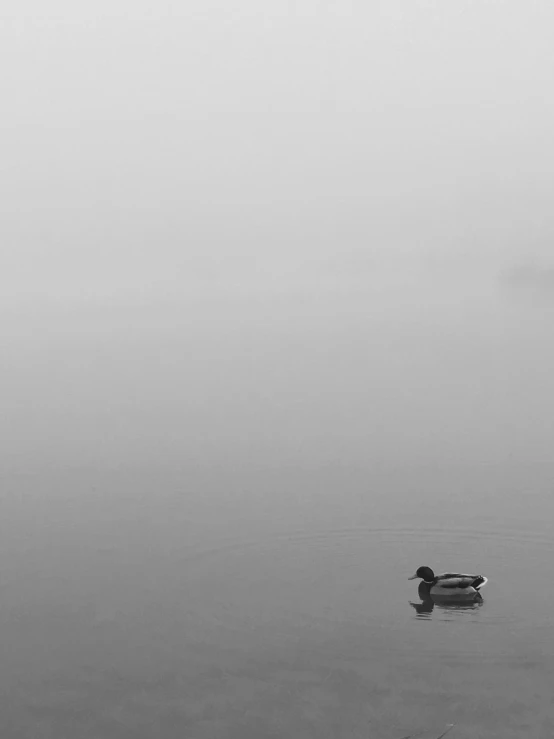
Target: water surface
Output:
{"points": [[253, 604]]}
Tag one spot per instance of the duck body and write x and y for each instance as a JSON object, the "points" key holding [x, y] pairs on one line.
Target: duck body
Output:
{"points": [[453, 585]]}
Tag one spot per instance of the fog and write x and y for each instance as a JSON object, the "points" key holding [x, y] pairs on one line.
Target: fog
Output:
{"points": [[276, 233]]}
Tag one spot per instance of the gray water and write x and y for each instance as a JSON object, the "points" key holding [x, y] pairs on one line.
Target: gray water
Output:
{"points": [[277, 300], [274, 603], [210, 509]]}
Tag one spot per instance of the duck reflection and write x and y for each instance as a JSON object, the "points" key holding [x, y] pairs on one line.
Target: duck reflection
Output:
{"points": [[429, 602]]}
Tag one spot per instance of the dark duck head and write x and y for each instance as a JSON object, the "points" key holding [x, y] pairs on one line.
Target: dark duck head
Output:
{"points": [[425, 573]]}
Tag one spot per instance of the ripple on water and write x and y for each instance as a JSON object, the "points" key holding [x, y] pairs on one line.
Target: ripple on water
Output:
{"points": [[358, 576], [330, 537]]}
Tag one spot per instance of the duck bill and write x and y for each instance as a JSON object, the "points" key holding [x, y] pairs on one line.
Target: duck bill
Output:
{"points": [[413, 577]]}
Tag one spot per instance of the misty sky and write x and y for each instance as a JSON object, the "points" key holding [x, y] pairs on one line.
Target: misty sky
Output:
{"points": [[285, 232]]}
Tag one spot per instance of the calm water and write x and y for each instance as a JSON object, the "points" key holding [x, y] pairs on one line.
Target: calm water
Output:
{"points": [[259, 604], [277, 300]]}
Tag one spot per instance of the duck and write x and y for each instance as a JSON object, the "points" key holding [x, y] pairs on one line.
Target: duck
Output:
{"points": [[450, 584]]}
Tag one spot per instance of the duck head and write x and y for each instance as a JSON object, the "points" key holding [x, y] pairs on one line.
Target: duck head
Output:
{"points": [[425, 573]]}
